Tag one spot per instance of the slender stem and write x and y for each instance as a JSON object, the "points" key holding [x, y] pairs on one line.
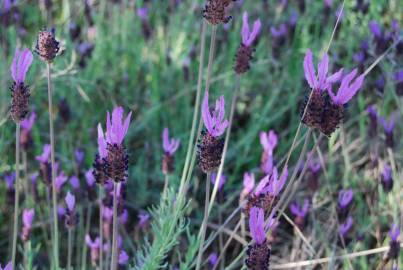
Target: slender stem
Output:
{"points": [[52, 157], [115, 227], [17, 192], [86, 230], [164, 192], [197, 103], [207, 87], [69, 249], [101, 227], [202, 234]]}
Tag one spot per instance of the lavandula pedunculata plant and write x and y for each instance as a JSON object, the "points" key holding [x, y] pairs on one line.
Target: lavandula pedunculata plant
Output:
{"points": [[115, 164], [258, 252], [8, 266], [47, 48], [27, 219], [394, 249], [94, 246], [216, 11], [386, 178], [19, 109], [269, 141], [71, 219], [345, 228], [388, 127], [26, 125], [344, 201], [169, 145], [300, 212]]}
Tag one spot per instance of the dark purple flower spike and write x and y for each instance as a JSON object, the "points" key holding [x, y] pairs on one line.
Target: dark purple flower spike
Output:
{"points": [[258, 253], [345, 198], [386, 178], [216, 11], [245, 51], [211, 146], [170, 146], [394, 249], [19, 91], [388, 127], [345, 227]]}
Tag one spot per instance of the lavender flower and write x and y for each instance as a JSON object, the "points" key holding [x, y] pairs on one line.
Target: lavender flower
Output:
{"points": [[259, 252], [27, 218], [394, 249], [215, 11], [79, 156], [123, 258], [214, 121], [124, 217], [75, 182], [300, 211], [26, 125], [213, 258], [272, 184], [269, 142], [142, 13], [345, 198], [373, 116], [375, 29], [89, 176], [245, 51], [45, 156], [170, 146], [347, 88], [387, 181], [70, 202], [222, 181], [71, 216], [10, 179], [19, 91], [210, 147], [116, 127], [60, 180], [398, 77], [144, 219], [94, 246], [47, 46], [388, 127], [345, 228]]}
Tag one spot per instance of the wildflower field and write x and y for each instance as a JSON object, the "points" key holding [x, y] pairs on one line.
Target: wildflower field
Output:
{"points": [[208, 134]]}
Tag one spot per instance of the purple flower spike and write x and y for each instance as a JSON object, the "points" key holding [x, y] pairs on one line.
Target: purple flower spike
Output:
{"points": [[386, 173], [249, 37], [375, 29], [223, 179], [8, 266], [144, 218], [280, 31], [123, 258], [394, 232], [142, 13], [256, 225], [75, 182], [213, 258], [300, 211], [268, 140], [371, 110], [345, 197], [89, 176], [21, 62], [27, 217], [346, 226], [27, 123], [60, 181], [45, 156], [214, 122], [347, 89], [170, 145], [116, 127], [9, 179], [271, 183], [322, 82], [92, 244], [388, 125], [70, 201], [79, 155], [101, 142]]}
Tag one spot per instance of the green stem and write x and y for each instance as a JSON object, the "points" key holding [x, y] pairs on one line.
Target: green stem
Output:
{"points": [[17, 192], [197, 103], [86, 230], [202, 234], [115, 227], [164, 192], [101, 231], [69, 249], [52, 156]]}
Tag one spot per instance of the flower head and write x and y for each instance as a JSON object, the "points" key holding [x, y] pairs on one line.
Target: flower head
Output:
{"points": [[394, 232], [248, 182], [8, 266], [27, 123], [144, 218], [346, 226], [214, 121], [213, 258], [60, 180], [89, 176], [101, 142], [386, 173], [123, 258], [9, 179], [248, 37], [142, 13], [300, 211], [169, 145], [371, 110], [345, 197], [278, 32], [347, 88], [79, 155], [70, 201], [92, 244], [272, 184], [116, 127], [45, 156], [398, 76], [322, 81], [375, 29], [21, 62], [388, 125], [222, 181], [256, 225], [27, 217], [75, 182]]}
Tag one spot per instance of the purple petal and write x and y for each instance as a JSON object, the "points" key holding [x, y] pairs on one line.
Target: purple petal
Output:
{"points": [[256, 225], [350, 91], [245, 28], [165, 139], [89, 176], [23, 65], [309, 70], [375, 29], [248, 181], [257, 25], [27, 217], [207, 119], [27, 123], [335, 77], [394, 232], [123, 258], [70, 201], [101, 142], [14, 68], [323, 68]]}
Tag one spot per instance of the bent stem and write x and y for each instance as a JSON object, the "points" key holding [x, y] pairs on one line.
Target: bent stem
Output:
{"points": [[69, 249], [115, 227], [197, 103], [17, 192], [202, 233], [52, 157]]}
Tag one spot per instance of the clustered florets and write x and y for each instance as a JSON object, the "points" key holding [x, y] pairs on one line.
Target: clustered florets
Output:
{"points": [[47, 46], [170, 146], [216, 11]]}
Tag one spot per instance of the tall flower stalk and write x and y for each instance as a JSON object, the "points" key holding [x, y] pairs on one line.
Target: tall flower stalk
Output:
{"points": [[19, 109], [47, 48]]}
